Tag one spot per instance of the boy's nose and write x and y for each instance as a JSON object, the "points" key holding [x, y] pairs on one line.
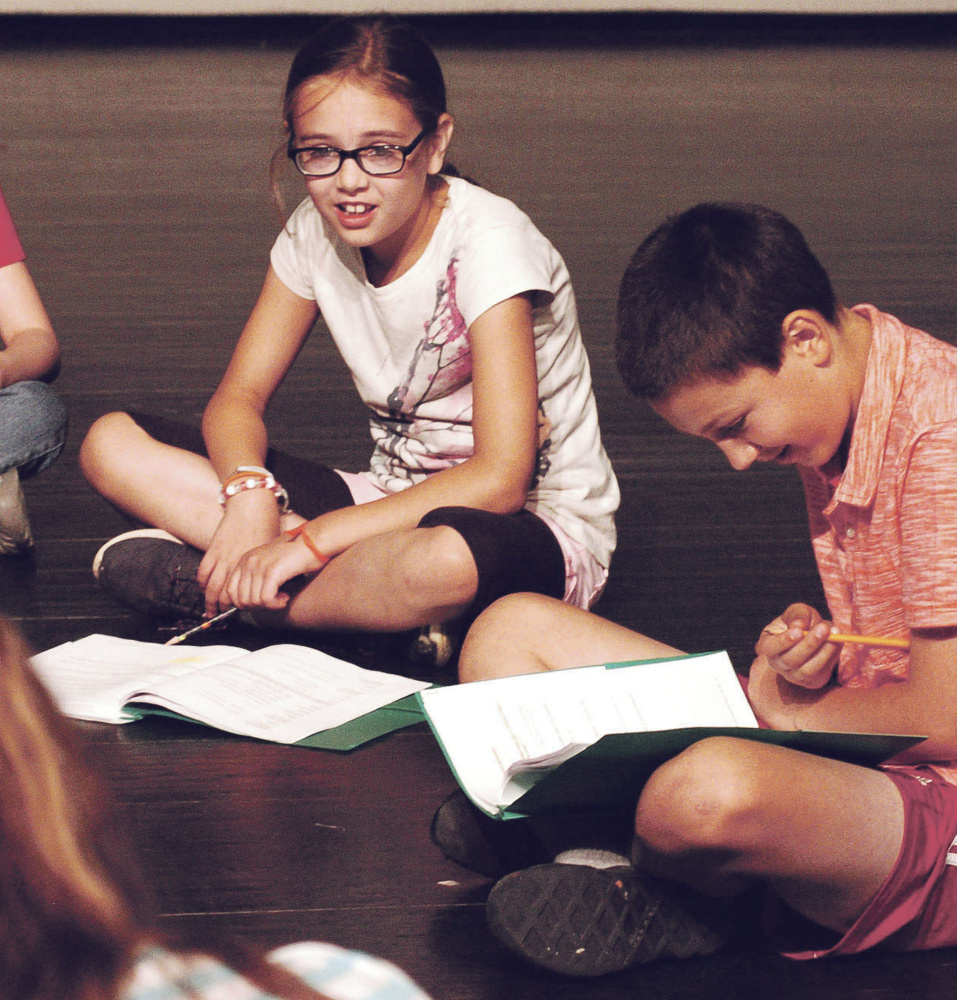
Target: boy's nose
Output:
{"points": [[739, 454]]}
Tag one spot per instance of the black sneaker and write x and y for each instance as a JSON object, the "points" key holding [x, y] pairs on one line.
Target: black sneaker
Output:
{"points": [[153, 572], [582, 921], [490, 847]]}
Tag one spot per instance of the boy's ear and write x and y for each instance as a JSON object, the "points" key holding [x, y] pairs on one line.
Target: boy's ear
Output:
{"points": [[809, 335], [440, 142]]}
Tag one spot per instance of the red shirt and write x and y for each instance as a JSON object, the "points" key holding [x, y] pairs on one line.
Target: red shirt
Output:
{"points": [[10, 248]]}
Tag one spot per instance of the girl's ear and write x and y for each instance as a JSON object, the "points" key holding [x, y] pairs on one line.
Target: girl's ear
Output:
{"points": [[439, 142], [809, 335]]}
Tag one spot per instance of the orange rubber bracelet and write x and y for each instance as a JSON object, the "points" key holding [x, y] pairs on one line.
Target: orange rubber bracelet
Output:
{"points": [[300, 532]]}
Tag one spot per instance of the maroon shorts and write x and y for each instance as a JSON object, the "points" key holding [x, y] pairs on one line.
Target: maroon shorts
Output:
{"points": [[916, 908]]}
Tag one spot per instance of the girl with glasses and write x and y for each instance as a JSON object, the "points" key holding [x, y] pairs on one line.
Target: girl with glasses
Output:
{"points": [[457, 320]]}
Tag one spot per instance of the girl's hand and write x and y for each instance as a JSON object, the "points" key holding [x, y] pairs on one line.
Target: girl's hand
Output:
{"points": [[250, 519], [261, 572], [804, 660]]}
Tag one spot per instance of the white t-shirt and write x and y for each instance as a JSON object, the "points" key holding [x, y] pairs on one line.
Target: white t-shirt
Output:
{"points": [[408, 348]]}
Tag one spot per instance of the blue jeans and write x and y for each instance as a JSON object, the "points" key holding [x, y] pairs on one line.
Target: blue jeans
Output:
{"points": [[33, 424]]}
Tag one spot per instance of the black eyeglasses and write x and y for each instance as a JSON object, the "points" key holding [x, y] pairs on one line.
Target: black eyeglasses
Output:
{"points": [[377, 160]]}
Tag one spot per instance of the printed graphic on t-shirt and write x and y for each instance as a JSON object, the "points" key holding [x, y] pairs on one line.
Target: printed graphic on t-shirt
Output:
{"points": [[441, 365], [542, 462], [442, 361]]}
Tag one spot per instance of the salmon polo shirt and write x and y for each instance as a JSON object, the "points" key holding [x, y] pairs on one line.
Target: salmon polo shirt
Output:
{"points": [[885, 530], [10, 249]]}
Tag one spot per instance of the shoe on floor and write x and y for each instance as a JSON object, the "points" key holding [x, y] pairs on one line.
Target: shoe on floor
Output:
{"points": [[584, 921], [433, 646], [490, 847], [15, 534], [153, 572]]}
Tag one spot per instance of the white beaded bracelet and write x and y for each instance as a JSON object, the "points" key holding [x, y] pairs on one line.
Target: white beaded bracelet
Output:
{"points": [[257, 479]]}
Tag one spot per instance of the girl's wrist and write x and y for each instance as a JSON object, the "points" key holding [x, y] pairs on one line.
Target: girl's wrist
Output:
{"points": [[252, 477], [253, 507], [301, 534]]}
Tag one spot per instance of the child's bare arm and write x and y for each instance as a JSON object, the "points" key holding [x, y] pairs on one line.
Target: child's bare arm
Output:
{"points": [[30, 345], [925, 704], [235, 433]]}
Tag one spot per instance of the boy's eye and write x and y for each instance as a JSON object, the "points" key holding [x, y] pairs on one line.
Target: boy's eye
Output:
{"points": [[732, 430]]}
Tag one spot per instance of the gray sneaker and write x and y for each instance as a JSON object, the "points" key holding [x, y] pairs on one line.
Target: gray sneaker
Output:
{"points": [[15, 534], [433, 646], [583, 921], [153, 572]]}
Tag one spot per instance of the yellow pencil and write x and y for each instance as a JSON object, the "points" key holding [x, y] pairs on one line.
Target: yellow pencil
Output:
{"points": [[869, 640]]}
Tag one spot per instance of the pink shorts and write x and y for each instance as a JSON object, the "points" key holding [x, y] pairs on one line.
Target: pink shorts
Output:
{"points": [[916, 908]]}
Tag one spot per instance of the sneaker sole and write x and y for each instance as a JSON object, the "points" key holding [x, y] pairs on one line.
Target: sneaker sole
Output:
{"points": [[576, 920], [136, 533]]}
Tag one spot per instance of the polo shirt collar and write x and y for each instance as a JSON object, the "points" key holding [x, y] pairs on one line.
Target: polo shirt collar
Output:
{"points": [[883, 378]]}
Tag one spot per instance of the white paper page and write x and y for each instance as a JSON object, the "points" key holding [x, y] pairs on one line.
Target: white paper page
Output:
{"points": [[677, 694], [488, 727], [283, 693], [93, 677]]}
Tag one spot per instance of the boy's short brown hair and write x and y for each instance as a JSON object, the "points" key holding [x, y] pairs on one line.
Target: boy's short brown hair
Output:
{"points": [[704, 296]]}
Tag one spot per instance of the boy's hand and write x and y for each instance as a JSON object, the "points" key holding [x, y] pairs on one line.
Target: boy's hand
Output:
{"points": [[805, 660]]}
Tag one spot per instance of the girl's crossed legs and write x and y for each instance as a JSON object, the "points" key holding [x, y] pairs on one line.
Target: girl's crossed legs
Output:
{"points": [[455, 563]]}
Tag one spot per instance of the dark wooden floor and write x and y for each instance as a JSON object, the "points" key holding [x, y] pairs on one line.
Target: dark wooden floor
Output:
{"points": [[132, 154]]}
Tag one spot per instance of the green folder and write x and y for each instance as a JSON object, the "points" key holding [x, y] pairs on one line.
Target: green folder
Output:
{"points": [[404, 712], [397, 715], [613, 769]]}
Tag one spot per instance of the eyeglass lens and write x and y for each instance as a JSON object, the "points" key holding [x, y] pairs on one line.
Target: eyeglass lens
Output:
{"points": [[324, 161]]}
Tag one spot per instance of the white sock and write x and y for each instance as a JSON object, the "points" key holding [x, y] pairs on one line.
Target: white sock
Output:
{"points": [[592, 857]]}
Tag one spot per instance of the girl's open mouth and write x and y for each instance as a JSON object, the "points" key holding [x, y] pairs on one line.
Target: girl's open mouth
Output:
{"points": [[354, 213]]}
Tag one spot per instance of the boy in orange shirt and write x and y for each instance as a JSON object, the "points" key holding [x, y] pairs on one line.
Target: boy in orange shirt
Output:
{"points": [[728, 326]]}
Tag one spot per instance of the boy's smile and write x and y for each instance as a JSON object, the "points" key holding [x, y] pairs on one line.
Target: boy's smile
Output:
{"points": [[792, 416]]}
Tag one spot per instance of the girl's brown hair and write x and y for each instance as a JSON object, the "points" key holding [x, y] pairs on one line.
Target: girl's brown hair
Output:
{"points": [[73, 912], [383, 51], [67, 924]]}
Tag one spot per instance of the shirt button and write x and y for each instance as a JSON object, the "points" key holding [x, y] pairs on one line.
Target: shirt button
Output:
{"points": [[850, 532]]}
